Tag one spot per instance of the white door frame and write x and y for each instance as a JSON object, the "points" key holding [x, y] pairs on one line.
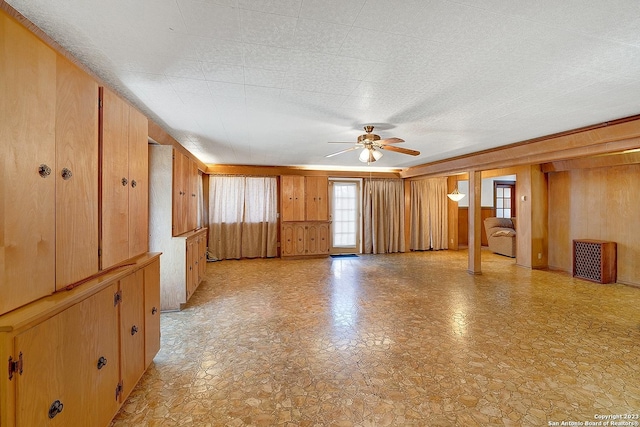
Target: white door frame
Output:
{"points": [[358, 248]]}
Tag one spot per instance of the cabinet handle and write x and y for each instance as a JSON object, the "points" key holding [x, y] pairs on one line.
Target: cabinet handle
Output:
{"points": [[102, 362], [133, 183], [193, 195], [154, 310], [134, 330], [124, 181], [66, 174], [44, 171], [55, 408]]}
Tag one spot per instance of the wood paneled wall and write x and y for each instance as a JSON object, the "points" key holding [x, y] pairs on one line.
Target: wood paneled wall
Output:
{"points": [[596, 204], [463, 225]]}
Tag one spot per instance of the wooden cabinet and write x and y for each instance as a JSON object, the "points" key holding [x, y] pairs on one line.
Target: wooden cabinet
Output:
{"points": [[185, 188], [316, 195], [132, 356], [124, 181], [305, 214], [49, 176], [305, 238], [292, 194], [196, 261], [184, 256], [183, 268], [76, 174], [304, 198], [61, 364], [62, 350], [72, 356], [151, 312], [27, 197]]}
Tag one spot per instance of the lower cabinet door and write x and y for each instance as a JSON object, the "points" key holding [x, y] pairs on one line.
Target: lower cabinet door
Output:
{"points": [[151, 312], [323, 238], [131, 331], [299, 233], [64, 381], [312, 239]]}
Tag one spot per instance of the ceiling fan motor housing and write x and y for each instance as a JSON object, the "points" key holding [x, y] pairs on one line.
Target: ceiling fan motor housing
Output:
{"points": [[370, 137]]}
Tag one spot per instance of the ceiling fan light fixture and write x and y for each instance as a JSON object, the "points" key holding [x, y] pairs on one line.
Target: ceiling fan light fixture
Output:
{"points": [[370, 155]]}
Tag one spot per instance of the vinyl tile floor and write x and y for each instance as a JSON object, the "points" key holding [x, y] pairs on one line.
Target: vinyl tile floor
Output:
{"points": [[393, 340]]}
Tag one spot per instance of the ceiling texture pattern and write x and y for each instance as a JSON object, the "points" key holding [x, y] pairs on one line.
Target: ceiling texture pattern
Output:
{"points": [[270, 82]]}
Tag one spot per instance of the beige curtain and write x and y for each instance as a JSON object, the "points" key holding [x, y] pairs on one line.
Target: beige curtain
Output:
{"points": [[429, 218], [242, 217], [383, 216]]}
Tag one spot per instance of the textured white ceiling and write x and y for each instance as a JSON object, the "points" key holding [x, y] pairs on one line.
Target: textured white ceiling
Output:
{"points": [[270, 82]]}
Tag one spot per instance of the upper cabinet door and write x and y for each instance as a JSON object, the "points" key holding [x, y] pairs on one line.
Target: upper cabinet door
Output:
{"points": [[27, 166], [138, 183], [114, 146], [192, 219], [316, 195], [76, 174], [292, 197]]}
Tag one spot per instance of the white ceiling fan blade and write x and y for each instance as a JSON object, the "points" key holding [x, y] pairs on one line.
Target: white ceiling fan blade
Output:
{"points": [[344, 151]]}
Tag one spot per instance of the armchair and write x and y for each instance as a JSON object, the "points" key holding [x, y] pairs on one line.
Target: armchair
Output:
{"points": [[501, 235]]}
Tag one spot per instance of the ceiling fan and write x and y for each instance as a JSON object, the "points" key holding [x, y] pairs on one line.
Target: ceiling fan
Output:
{"points": [[372, 145]]}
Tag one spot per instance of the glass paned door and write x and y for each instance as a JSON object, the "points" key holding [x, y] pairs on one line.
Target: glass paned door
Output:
{"points": [[504, 193], [345, 216]]}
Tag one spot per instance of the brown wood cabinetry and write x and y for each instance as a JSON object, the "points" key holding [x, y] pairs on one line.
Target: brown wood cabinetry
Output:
{"points": [[132, 357], [62, 350], [304, 208], [292, 194], [184, 256], [73, 359], [27, 201], [124, 181], [76, 174], [305, 238], [50, 141], [151, 312], [316, 195], [185, 188], [304, 198]]}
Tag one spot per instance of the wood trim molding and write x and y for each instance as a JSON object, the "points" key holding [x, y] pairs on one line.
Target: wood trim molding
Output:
{"points": [[291, 170], [608, 137], [601, 161], [159, 135]]}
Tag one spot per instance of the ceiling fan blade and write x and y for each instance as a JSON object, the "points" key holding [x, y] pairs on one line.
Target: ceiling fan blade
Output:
{"points": [[343, 151], [400, 150], [390, 141]]}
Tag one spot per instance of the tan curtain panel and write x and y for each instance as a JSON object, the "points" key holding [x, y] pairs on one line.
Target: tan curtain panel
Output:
{"points": [[429, 217], [242, 217], [383, 209]]}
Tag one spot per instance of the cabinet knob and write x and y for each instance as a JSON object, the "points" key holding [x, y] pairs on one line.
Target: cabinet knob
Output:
{"points": [[55, 408], [134, 330], [154, 310], [102, 362], [44, 171], [133, 183], [124, 181], [66, 174]]}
